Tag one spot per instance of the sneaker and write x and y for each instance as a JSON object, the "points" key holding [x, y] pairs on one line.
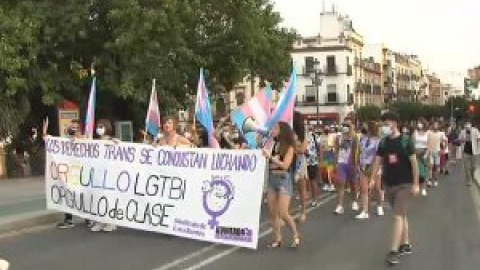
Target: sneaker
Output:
{"points": [[435, 183], [362, 216], [4, 265], [109, 228], [380, 211], [332, 188], [393, 258], [97, 227], [89, 223], [339, 210], [355, 206], [424, 192], [405, 249], [326, 187], [65, 225], [446, 172], [314, 203], [429, 183]]}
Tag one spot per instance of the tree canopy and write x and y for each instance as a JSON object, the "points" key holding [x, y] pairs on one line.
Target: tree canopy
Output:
{"points": [[47, 49]]}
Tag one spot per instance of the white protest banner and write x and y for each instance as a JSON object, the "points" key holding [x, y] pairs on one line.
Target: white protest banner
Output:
{"points": [[205, 194]]}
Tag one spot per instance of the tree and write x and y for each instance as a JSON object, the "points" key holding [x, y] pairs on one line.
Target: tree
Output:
{"points": [[50, 49], [18, 50], [369, 112]]}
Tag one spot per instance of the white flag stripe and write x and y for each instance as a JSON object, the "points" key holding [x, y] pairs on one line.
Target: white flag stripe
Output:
{"points": [[258, 111]]}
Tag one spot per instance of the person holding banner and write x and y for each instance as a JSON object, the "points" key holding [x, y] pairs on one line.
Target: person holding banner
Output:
{"points": [[171, 137], [73, 131], [280, 182], [104, 131]]}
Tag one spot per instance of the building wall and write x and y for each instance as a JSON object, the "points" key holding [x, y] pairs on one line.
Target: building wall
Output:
{"points": [[437, 95]]}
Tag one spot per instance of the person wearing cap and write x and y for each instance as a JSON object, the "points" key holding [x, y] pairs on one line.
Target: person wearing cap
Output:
{"points": [[400, 174]]}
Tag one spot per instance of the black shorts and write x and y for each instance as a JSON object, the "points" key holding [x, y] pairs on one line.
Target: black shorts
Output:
{"points": [[312, 171]]}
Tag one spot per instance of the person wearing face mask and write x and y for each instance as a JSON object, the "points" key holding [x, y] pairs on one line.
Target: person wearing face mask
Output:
{"points": [[347, 147], [327, 158], [469, 138], [400, 176], [74, 132], [368, 148], [104, 132], [420, 141]]}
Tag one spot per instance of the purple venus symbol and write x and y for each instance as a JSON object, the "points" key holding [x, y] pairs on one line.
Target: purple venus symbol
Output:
{"points": [[217, 196]]}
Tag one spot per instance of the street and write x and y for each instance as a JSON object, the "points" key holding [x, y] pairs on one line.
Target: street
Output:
{"points": [[445, 231]]}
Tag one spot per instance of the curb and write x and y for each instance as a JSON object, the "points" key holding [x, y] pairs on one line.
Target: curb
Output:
{"points": [[26, 221]]}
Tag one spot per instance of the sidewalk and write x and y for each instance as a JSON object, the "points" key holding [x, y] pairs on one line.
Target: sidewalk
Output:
{"points": [[22, 204]]}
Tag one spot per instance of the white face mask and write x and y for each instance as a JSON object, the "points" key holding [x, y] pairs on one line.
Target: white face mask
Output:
{"points": [[100, 131], [387, 131], [468, 125], [420, 126]]}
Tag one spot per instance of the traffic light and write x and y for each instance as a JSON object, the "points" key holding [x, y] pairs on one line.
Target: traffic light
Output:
{"points": [[467, 86]]}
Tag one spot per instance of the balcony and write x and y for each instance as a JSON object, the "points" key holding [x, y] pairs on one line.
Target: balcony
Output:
{"points": [[331, 70]]}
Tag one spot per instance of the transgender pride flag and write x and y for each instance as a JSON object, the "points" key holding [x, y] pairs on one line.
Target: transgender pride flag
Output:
{"points": [[203, 111], [152, 121], [90, 117], [284, 110], [257, 110]]}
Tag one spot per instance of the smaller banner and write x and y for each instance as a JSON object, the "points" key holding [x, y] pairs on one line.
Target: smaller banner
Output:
{"points": [[204, 194]]}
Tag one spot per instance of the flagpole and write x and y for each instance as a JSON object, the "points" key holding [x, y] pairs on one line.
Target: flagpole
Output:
{"points": [[149, 102]]}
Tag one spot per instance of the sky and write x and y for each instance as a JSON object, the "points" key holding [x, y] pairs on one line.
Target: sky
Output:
{"points": [[445, 34]]}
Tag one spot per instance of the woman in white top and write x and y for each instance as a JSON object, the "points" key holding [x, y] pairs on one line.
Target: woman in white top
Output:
{"points": [[104, 132], [421, 141]]}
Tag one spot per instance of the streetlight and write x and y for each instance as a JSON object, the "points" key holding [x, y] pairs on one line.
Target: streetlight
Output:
{"points": [[317, 82]]}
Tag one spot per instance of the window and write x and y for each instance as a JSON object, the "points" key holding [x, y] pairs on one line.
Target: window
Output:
{"points": [[310, 93], [349, 96], [309, 64], [332, 96], [331, 67]]}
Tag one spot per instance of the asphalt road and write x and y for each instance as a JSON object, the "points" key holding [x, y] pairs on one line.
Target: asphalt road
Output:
{"points": [[445, 233]]}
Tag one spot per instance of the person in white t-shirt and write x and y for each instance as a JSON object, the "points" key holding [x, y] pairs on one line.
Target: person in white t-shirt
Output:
{"points": [[434, 147]]}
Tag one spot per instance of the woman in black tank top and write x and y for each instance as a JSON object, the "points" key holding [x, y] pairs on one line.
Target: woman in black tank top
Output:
{"points": [[280, 182]]}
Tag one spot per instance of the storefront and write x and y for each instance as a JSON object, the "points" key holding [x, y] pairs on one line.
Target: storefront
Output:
{"points": [[322, 119]]}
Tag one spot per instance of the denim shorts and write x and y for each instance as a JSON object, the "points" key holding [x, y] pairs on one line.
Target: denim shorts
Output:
{"points": [[281, 182]]}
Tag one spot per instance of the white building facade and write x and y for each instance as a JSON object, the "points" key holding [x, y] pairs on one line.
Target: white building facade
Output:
{"points": [[335, 50]]}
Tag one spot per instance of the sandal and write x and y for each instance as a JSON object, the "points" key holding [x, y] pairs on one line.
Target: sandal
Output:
{"points": [[275, 244], [296, 242]]}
